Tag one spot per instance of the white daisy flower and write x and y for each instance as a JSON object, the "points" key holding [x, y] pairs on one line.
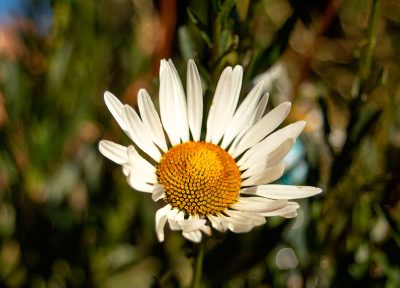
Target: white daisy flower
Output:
{"points": [[220, 181]]}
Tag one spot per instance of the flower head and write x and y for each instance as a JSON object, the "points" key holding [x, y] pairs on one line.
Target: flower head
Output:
{"points": [[220, 179]]}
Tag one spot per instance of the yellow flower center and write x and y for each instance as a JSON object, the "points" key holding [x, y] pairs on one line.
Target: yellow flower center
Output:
{"points": [[199, 178]]}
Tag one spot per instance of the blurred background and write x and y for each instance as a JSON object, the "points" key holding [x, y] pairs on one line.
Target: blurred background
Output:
{"points": [[68, 217]]}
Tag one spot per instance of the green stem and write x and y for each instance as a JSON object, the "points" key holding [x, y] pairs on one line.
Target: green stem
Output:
{"points": [[198, 266], [373, 24]]}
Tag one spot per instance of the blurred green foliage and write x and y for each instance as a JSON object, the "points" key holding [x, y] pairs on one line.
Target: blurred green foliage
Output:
{"points": [[67, 216]]}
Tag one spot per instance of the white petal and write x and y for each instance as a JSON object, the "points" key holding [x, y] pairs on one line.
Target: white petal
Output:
{"points": [[290, 214], [258, 204], [206, 229], [151, 121], [263, 127], [137, 161], [195, 100], [115, 107], [135, 180], [244, 216], [235, 225], [126, 170], [279, 153], [221, 97], [274, 191], [192, 227], [158, 192], [161, 219], [252, 119], [174, 216], [270, 143], [192, 224], [226, 104], [244, 116], [179, 105], [167, 99], [261, 108], [265, 176], [264, 158], [285, 211], [194, 236], [139, 172], [138, 134], [265, 161], [114, 151], [217, 223]]}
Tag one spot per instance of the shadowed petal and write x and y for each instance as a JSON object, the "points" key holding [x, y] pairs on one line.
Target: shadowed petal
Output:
{"points": [[263, 127], [151, 121]]}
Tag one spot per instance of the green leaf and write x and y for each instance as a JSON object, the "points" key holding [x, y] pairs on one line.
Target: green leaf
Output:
{"points": [[185, 42], [242, 8], [201, 27]]}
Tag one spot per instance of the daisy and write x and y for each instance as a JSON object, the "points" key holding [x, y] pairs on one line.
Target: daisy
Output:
{"points": [[220, 180]]}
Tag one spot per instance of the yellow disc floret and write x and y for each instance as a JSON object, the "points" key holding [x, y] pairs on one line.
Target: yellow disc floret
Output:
{"points": [[199, 178]]}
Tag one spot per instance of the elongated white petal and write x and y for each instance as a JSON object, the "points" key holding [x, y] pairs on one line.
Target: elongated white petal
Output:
{"points": [[270, 143], [227, 104], [265, 158], [243, 118], [274, 191], [221, 96], [138, 133], [265, 176], [115, 107], [258, 204], [194, 100], [280, 152], [271, 159], [114, 151], [161, 219], [263, 127], [167, 99], [179, 104], [256, 169], [261, 108], [151, 121]]}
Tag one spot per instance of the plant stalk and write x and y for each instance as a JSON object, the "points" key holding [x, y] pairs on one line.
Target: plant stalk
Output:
{"points": [[198, 266]]}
